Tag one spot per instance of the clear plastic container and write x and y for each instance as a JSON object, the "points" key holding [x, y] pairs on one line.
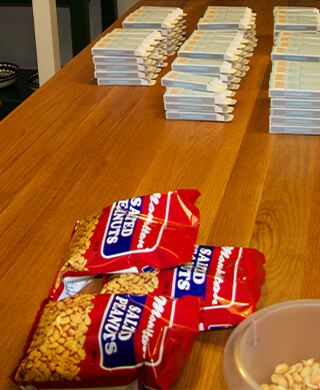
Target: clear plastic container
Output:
{"points": [[285, 332]]}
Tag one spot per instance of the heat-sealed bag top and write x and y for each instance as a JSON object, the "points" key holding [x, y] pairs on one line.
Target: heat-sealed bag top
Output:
{"points": [[158, 231], [88, 341], [228, 280]]}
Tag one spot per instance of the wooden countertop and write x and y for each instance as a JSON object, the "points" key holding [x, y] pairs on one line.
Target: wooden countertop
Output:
{"points": [[74, 147]]}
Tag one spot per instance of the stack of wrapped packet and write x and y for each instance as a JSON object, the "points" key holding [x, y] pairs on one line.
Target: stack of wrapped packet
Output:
{"points": [[128, 57], [232, 19], [168, 20], [294, 88], [295, 19], [193, 97], [216, 56], [221, 54]]}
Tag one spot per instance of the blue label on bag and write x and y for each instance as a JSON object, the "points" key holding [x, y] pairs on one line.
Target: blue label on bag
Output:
{"points": [[116, 336], [191, 278], [121, 226]]}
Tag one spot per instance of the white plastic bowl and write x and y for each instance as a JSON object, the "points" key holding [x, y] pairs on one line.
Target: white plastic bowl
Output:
{"points": [[285, 332]]}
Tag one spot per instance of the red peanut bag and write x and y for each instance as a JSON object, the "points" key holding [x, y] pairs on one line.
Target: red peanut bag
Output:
{"points": [[234, 288], [158, 231], [227, 279], [115, 340]]}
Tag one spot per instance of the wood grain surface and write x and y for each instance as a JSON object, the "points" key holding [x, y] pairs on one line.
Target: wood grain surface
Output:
{"points": [[74, 147]]}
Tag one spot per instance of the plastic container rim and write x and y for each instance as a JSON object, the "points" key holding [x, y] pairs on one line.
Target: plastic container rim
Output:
{"points": [[231, 358]]}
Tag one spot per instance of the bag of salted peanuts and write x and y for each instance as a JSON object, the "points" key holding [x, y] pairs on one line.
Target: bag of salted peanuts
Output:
{"points": [[233, 287], [227, 279], [88, 341], [158, 231]]}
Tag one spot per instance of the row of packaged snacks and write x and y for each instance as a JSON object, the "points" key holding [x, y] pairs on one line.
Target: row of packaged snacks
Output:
{"points": [[213, 60], [294, 87], [136, 53]]}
